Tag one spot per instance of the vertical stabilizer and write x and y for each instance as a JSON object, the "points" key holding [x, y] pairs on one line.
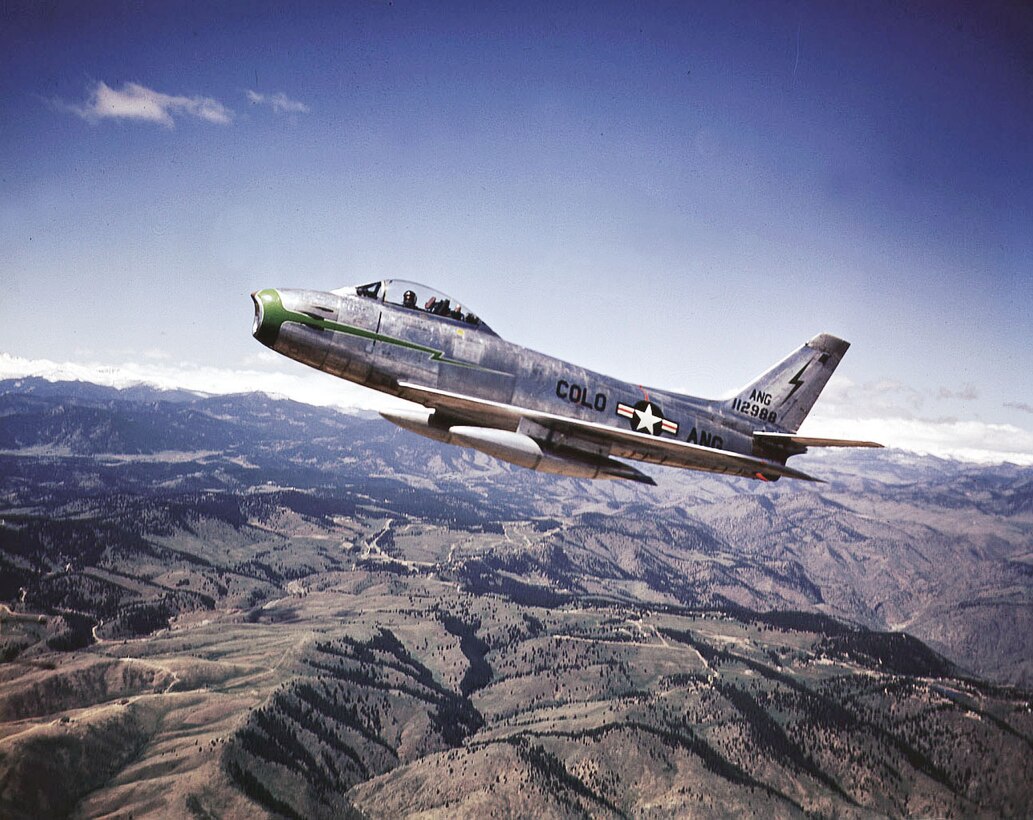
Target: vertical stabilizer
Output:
{"points": [[784, 395]]}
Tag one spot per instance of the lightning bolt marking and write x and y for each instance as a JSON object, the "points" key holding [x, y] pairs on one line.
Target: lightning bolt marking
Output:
{"points": [[796, 382]]}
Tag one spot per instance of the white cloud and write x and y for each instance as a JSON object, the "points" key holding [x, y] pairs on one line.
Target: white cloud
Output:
{"points": [[965, 440], [312, 387], [889, 412], [967, 392], [885, 397], [136, 102], [279, 102]]}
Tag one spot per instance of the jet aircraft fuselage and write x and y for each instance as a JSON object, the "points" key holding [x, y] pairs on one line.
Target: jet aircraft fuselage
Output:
{"points": [[480, 391]]}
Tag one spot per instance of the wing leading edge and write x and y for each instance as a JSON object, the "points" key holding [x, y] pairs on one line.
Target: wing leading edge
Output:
{"points": [[593, 438]]}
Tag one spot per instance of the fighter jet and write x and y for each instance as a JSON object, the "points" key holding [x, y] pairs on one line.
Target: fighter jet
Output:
{"points": [[478, 390]]}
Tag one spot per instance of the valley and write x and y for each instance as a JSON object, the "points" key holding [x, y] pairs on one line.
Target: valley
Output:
{"points": [[218, 605]]}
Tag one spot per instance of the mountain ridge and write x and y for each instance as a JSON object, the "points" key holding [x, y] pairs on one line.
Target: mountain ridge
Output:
{"points": [[372, 623]]}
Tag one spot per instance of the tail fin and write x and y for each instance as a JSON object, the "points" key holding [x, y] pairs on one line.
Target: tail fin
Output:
{"points": [[783, 396]]}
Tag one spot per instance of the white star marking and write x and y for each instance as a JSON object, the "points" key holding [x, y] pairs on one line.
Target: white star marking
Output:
{"points": [[646, 420]]}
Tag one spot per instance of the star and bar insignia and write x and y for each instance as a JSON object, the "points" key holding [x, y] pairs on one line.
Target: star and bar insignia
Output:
{"points": [[647, 417]]}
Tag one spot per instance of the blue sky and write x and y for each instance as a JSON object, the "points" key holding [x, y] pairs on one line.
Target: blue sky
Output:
{"points": [[674, 193]]}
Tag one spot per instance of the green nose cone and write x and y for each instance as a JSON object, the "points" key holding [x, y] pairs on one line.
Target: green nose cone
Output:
{"points": [[269, 315]]}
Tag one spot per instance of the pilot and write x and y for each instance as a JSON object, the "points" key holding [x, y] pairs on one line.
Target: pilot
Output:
{"points": [[409, 299], [457, 313]]}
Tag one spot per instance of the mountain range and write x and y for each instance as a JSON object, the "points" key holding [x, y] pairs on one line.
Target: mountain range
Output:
{"points": [[216, 603]]}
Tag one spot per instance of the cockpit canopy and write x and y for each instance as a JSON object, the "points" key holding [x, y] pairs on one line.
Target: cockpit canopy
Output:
{"points": [[419, 298]]}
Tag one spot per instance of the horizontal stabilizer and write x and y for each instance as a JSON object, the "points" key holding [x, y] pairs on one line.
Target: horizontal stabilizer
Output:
{"points": [[783, 439]]}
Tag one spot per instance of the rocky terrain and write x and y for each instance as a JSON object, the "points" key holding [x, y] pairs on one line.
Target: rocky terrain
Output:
{"points": [[214, 605]]}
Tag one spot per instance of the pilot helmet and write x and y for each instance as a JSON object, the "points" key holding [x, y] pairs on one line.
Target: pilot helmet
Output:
{"points": [[409, 298]]}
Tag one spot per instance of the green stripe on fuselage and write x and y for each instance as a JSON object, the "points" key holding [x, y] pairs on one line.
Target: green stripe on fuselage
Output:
{"points": [[351, 330]]}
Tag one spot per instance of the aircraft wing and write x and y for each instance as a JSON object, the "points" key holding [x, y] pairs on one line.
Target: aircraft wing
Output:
{"points": [[581, 434]]}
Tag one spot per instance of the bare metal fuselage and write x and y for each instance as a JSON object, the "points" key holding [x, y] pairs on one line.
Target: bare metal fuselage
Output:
{"points": [[518, 404]]}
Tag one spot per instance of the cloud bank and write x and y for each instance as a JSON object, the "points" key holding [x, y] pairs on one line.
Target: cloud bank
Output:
{"points": [[137, 102], [279, 102], [311, 388], [903, 417], [964, 440]]}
